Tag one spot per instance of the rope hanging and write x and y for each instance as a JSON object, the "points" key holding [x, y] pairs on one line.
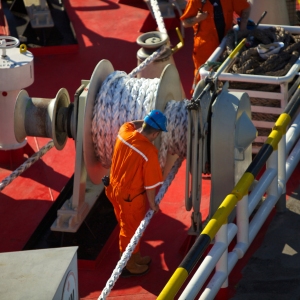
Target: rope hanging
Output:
{"points": [[158, 16], [122, 99]]}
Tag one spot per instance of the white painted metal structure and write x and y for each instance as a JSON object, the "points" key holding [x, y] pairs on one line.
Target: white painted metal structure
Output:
{"points": [[227, 143], [16, 72], [283, 82], [48, 274], [279, 168]]}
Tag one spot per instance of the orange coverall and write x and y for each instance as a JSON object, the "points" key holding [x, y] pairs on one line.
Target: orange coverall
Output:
{"points": [[135, 168], [206, 38]]}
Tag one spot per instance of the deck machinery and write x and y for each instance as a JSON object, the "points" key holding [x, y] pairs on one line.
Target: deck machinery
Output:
{"points": [[219, 137]]}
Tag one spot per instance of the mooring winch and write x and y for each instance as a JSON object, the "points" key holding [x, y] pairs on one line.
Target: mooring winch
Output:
{"points": [[213, 131]]}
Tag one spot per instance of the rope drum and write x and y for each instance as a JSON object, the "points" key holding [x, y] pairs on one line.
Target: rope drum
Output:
{"points": [[122, 99]]}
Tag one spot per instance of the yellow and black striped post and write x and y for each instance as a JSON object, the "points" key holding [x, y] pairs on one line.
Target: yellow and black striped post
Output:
{"points": [[239, 191]]}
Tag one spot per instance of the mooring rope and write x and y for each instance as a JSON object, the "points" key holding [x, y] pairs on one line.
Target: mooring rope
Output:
{"points": [[148, 61], [35, 157], [139, 232], [158, 17], [122, 99]]}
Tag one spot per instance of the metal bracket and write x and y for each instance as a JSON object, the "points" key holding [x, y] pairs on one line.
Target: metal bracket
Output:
{"points": [[196, 224], [85, 193]]}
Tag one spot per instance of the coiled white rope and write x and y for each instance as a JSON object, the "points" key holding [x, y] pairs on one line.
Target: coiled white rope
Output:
{"points": [[122, 99], [35, 157], [139, 232]]}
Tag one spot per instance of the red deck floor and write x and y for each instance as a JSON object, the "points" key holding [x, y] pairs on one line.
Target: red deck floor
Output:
{"points": [[104, 30]]}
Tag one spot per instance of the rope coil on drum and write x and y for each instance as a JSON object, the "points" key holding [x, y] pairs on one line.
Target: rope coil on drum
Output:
{"points": [[122, 99]]}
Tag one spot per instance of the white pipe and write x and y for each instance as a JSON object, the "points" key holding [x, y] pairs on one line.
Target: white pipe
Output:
{"points": [[213, 286], [281, 163], [217, 280], [290, 29], [260, 78], [260, 188], [272, 163], [232, 260], [261, 215], [222, 264], [293, 160], [293, 134], [219, 50], [242, 220], [207, 266]]}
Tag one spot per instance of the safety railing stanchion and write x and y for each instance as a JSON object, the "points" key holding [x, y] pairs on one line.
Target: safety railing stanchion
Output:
{"points": [[222, 264], [220, 278], [281, 203], [290, 163], [242, 221], [272, 163]]}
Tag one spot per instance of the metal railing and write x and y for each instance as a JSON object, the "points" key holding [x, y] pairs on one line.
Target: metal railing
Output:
{"points": [[282, 88], [269, 189]]}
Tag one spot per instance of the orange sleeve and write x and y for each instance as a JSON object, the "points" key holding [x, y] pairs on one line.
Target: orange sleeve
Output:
{"points": [[191, 9], [152, 172]]}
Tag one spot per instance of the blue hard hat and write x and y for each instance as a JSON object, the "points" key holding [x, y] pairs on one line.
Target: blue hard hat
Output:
{"points": [[157, 120]]}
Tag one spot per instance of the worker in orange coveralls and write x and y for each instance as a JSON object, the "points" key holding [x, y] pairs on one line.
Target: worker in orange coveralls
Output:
{"points": [[211, 20], [134, 176]]}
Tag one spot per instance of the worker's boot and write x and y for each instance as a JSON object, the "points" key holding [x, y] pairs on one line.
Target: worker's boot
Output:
{"points": [[142, 260], [133, 269]]}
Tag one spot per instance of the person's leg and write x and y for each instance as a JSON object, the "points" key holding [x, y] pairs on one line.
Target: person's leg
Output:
{"points": [[110, 193], [132, 213]]}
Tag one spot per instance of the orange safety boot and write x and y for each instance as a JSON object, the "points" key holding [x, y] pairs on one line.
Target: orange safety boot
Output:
{"points": [[133, 269]]}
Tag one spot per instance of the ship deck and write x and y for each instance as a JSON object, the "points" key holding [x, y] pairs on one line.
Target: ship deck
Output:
{"points": [[105, 30]]}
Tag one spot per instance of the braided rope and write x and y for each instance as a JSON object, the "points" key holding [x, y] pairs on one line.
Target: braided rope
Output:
{"points": [[139, 232], [158, 16], [6, 181], [122, 99], [148, 61]]}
